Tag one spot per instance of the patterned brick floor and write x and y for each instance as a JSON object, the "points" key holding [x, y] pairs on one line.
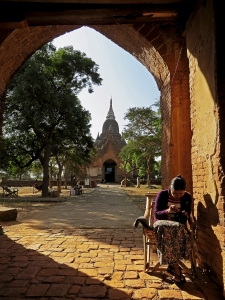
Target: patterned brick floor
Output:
{"points": [[85, 263]]}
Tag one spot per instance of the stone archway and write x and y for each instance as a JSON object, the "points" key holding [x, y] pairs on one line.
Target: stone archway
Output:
{"points": [[192, 92], [25, 41], [109, 170]]}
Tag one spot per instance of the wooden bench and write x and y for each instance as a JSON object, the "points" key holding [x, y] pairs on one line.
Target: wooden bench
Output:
{"points": [[37, 188], [7, 191], [79, 190]]}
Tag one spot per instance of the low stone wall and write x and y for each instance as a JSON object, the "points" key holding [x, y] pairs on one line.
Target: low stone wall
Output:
{"points": [[21, 183]]}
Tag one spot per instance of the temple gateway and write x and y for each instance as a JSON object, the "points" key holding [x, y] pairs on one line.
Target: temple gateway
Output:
{"points": [[106, 163]]}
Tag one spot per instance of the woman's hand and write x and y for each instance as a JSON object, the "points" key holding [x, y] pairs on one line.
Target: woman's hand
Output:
{"points": [[172, 208]]}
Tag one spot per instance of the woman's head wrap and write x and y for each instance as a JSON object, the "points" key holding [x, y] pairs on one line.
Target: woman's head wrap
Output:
{"points": [[178, 183]]}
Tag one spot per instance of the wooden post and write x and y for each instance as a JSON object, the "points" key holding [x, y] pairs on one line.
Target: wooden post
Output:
{"points": [[149, 209]]}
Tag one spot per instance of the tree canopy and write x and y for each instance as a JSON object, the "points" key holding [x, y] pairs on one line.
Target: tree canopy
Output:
{"points": [[42, 108], [143, 137]]}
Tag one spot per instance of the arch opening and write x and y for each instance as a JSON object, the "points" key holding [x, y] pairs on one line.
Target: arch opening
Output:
{"points": [[27, 43], [109, 169]]}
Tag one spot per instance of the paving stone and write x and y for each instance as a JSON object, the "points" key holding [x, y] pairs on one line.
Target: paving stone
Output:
{"points": [[148, 293], [93, 291], [134, 268], [103, 264], [115, 283], [54, 279], [130, 275], [7, 214], [5, 278], [48, 272], [85, 266], [97, 280], [135, 283], [118, 294], [193, 295], [27, 273], [58, 290], [105, 270], [37, 290], [117, 276], [119, 267], [68, 272], [74, 289], [12, 291], [88, 272], [170, 294], [82, 260]]}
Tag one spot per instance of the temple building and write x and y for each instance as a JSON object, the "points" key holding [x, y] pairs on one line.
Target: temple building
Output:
{"points": [[106, 163]]}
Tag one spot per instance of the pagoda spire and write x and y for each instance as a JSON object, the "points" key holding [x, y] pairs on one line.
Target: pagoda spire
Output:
{"points": [[110, 114]]}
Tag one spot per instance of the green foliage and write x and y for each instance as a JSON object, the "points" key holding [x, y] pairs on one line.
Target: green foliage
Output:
{"points": [[37, 169], [143, 137], [43, 111]]}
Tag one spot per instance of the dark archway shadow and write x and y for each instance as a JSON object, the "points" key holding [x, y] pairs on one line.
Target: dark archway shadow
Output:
{"points": [[209, 259], [61, 264]]}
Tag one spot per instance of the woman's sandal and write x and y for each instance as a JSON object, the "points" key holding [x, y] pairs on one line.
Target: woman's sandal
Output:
{"points": [[179, 279], [170, 270]]}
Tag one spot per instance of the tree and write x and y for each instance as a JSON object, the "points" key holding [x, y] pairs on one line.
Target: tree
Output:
{"points": [[42, 107], [128, 155], [70, 156], [143, 136], [37, 169]]}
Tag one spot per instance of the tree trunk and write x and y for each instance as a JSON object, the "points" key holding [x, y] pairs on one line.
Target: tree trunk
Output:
{"points": [[65, 183], [125, 180], [148, 172], [50, 177], [148, 180], [60, 179], [46, 170]]}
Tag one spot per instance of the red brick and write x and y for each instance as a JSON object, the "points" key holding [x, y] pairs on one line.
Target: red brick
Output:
{"points": [[170, 294], [68, 272], [75, 289], [37, 290], [58, 290], [28, 273], [148, 293], [7, 291], [54, 279], [93, 291], [118, 294], [48, 272]]}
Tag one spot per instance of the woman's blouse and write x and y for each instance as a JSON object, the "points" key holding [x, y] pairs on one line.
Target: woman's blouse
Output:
{"points": [[164, 199]]}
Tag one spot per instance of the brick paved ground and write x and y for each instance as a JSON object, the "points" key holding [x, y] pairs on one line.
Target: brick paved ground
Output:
{"points": [[85, 249]]}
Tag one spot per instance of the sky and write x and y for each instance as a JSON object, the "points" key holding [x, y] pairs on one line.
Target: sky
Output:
{"points": [[125, 79]]}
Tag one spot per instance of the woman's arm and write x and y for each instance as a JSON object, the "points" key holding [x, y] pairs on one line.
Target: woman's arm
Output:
{"points": [[161, 205], [186, 203]]}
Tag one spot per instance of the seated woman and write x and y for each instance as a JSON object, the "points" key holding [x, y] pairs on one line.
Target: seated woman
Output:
{"points": [[172, 210]]}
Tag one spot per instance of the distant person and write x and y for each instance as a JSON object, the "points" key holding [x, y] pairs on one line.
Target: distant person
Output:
{"points": [[73, 191]]}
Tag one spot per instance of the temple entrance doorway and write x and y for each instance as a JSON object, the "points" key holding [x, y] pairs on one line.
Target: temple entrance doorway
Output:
{"points": [[109, 170]]}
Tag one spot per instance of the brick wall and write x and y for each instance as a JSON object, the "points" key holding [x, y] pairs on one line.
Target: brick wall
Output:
{"points": [[207, 166]]}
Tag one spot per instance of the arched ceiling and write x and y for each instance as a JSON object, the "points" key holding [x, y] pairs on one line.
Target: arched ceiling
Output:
{"points": [[20, 13], [145, 28]]}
